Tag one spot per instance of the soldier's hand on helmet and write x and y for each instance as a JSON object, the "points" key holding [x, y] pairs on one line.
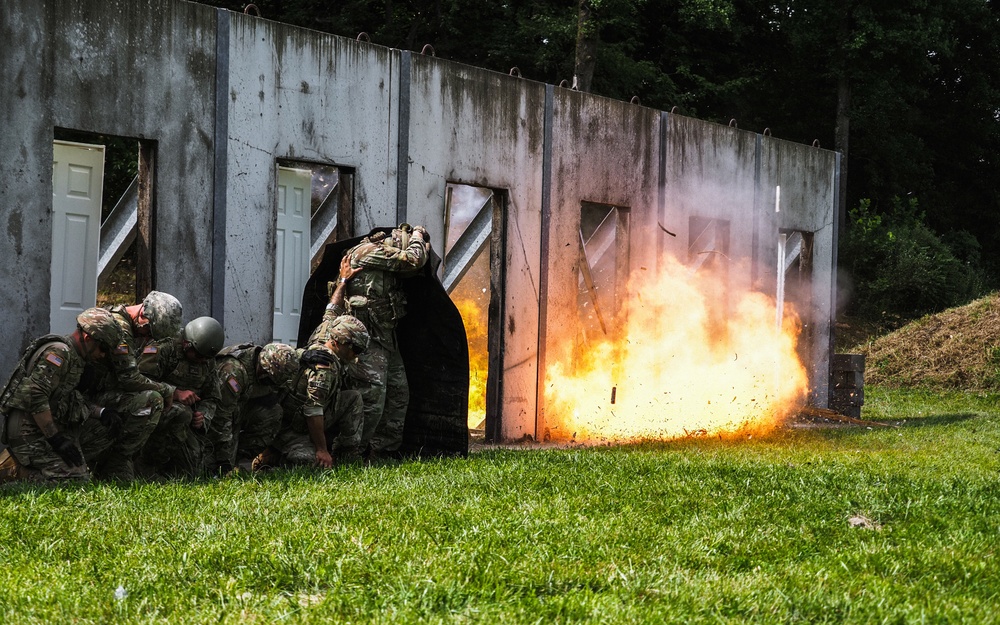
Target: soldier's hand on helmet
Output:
{"points": [[197, 420], [346, 270], [188, 398], [111, 419], [313, 357], [324, 459], [66, 449]]}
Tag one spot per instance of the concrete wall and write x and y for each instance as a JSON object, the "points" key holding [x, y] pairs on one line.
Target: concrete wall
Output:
{"points": [[225, 96], [135, 68], [305, 96], [475, 127]]}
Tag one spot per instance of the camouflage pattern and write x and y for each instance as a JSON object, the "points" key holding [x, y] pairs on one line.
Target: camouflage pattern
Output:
{"points": [[52, 368], [249, 412], [117, 383], [316, 392], [164, 314], [388, 398], [175, 446], [280, 361], [374, 295], [341, 421], [101, 326]]}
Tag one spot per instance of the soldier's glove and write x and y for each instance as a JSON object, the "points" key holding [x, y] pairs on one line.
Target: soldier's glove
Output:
{"points": [[422, 233], [313, 357], [111, 419], [65, 449]]}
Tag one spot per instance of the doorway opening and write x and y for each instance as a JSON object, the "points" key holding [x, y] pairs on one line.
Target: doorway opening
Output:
{"points": [[603, 271], [473, 275], [794, 284], [102, 237], [314, 206]]}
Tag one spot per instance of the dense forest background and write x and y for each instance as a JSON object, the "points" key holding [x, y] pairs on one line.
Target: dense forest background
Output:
{"points": [[907, 90]]}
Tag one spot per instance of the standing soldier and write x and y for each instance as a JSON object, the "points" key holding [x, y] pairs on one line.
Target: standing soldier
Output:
{"points": [[178, 443], [40, 409], [118, 384], [370, 289]]}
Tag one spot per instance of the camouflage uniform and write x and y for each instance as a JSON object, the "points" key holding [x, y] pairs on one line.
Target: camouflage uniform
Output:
{"points": [[119, 384], [249, 412], [174, 446], [316, 391], [51, 368], [375, 297]]}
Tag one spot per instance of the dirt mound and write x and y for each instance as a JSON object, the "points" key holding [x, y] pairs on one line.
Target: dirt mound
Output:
{"points": [[958, 349]]}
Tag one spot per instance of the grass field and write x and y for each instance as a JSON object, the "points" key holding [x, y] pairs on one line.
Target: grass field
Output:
{"points": [[810, 525]]}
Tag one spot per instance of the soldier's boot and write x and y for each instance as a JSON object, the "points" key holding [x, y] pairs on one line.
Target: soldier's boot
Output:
{"points": [[117, 469], [267, 459], [10, 468]]}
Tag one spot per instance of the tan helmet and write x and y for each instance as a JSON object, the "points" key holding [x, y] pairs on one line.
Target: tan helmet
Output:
{"points": [[205, 335], [350, 331], [279, 361], [164, 314], [101, 326]]}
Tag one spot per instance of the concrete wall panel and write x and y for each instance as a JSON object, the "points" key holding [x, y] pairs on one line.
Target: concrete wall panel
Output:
{"points": [[477, 127], [300, 95]]}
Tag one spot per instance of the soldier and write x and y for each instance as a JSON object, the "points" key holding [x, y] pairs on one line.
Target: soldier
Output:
{"points": [[249, 411], [118, 384], [41, 409], [369, 288], [178, 443], [316, 408]]}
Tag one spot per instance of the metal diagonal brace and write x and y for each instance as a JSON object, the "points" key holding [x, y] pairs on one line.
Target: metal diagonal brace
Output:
{"points": [[588, 279]]}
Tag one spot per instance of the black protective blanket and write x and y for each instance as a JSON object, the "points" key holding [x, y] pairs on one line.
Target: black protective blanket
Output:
{"points": [[432, 343]]}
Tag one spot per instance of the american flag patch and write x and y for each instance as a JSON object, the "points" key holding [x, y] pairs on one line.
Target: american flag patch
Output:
{"points": [[121, 349], [56, 360], [234, 385], [149, 349]]}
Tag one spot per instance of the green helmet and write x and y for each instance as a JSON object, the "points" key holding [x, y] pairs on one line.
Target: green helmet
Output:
{"points": [[280, 361], [349, 330], [164, 314], [101, 326], [205, 335]]}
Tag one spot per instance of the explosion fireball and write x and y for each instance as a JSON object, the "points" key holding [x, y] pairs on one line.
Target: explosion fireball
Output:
{"points": [[680, 365]]}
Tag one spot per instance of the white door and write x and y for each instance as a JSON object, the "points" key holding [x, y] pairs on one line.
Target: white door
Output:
{"points": [[77, 184], [291, 257]]}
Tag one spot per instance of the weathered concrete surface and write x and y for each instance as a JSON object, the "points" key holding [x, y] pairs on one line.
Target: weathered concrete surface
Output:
{"points": [[303, 96], [481, 128], [135, 68]]}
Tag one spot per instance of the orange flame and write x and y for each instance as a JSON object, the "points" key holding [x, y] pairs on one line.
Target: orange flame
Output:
{"points": [[679, 367], [476, 328]]}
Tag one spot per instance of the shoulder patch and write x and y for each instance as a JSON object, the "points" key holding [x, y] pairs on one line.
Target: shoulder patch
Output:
{"points": [[121, 349], [234, 384], [149, 349], [54, 359]]}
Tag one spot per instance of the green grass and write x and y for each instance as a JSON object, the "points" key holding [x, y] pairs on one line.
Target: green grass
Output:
{"points": [[690, 531]]}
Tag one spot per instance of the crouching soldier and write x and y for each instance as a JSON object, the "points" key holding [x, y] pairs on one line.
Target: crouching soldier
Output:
{"points": [[117, 383], [316, 407], [41, 410], [178, 444], [249, 412]]}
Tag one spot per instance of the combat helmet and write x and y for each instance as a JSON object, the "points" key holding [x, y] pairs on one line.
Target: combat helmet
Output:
{"points": [[278, 360], [350, 331], [101, 326], [164, 314], [205, 335]]}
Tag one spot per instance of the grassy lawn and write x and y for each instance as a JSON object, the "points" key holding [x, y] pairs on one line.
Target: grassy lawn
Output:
{"points": [[689, 531]]}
